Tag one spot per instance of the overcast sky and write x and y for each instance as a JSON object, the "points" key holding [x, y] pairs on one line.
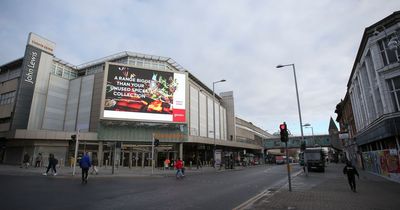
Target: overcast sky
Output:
{"points": [[240, 41]]}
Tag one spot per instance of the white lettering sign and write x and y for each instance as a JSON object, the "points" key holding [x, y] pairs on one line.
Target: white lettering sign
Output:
{"points": [[31, 66]]}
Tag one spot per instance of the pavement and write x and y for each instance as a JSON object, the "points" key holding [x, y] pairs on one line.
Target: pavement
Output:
{"points": [[107, 171], [330, 190]]}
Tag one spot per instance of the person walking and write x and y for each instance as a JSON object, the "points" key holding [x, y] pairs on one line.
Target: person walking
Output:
{"points": [[38, 161], [84, 163], [95, 163], [179, 167], [351, 171], [25, 162], [198, 162], [52, 165], [166, 163]]}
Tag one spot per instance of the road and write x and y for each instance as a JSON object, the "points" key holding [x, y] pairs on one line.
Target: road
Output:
{"points": [[223, 190]]}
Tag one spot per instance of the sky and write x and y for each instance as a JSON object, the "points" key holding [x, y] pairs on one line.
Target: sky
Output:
{"points": [[236, 40]]}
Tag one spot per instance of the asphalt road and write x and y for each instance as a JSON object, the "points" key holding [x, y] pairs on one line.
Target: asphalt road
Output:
{"points": [[224, 190]]}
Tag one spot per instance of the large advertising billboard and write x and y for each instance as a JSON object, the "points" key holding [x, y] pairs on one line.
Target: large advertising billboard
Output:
{"points": [[137, 94]]}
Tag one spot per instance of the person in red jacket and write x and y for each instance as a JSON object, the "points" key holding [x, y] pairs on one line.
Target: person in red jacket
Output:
{"points": [[179, 167]]}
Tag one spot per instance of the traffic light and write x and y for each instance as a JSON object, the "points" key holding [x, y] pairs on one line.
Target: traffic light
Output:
{"points": [[284, 132], [156, 142], [303, 146], [73, 137]]}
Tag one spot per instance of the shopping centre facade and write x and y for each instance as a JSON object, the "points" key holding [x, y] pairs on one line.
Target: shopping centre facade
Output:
{"points": [[116, 105]]}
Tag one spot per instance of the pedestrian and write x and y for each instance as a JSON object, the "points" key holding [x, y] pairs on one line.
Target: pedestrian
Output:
{"points": [[351, 171], [166, 163], [179, 167], [52, 165], [84, 163], [38, 161], [26, 159], [95, 163], [198, 162]]}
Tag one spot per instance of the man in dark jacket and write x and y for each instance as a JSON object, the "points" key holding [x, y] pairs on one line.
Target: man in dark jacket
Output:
{"points": [[351, 171], [85, 165], [52, 165]]}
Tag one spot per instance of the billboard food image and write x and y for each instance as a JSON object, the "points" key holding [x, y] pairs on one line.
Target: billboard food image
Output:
{"points": [[142, 94]]}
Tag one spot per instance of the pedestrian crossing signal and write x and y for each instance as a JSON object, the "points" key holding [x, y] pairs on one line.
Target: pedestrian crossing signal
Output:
{"points": [[156, 142]]}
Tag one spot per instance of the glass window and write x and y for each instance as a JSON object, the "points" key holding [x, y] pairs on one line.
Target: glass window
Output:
{"points": [[388, 56], [396, 83], [210, 118], [7, 98], [203, 114], [394, 87], [194, 111]]}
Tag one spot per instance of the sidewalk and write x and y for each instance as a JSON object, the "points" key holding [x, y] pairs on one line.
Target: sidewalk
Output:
{"points": [[107, 171], [330, 190]]}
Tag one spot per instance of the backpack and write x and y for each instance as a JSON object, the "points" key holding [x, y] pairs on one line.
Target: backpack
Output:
{"points": [[55, 161]]}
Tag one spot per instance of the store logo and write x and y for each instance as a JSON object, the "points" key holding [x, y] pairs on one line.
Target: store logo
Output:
{"points": [[31, 66]]}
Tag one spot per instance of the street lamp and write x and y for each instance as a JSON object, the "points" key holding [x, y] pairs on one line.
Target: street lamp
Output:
{"points": [[308, 125], [215, 146], [298, 107], [297, 94]]}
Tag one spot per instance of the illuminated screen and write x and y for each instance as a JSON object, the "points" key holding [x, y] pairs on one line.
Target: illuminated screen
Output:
{"points": [[141, 94]]}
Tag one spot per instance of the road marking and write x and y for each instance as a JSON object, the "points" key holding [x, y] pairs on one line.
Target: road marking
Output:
{"points": [[267, 192], [253, 199]]}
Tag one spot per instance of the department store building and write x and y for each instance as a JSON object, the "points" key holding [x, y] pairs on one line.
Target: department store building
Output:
{"points": [[369, 115], [115, 105]]}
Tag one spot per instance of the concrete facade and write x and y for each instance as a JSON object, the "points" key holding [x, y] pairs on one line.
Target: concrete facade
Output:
{"points": [[45, 100]]}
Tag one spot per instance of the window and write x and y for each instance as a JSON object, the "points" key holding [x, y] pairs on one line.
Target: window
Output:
{"points": [[7, 98], [388, 56], [94, 69], [63, 71], [394, 88]]}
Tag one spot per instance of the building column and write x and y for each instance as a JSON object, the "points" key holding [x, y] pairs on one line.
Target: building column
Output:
{"points": [[142, 159], [136, 158], [130, 158], [181, 150]]}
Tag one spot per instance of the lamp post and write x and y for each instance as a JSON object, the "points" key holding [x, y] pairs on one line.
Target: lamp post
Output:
{"points": [[215, 146], [297, 94], [298, 107], [308, 125]]}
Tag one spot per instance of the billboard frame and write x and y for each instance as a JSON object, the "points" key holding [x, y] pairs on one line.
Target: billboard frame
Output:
{"points": [[103, 96]]}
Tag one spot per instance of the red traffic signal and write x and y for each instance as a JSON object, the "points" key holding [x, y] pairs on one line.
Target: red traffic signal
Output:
{"points": [[284, 132]]}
